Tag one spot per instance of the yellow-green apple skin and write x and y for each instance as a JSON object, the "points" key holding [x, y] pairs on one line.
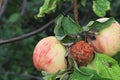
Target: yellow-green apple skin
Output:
{"points": [[49, 55], [108, 40]]}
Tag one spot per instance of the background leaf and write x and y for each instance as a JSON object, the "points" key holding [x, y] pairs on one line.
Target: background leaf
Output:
{"points": [[83, 2], [100, 7], [14, 17]]}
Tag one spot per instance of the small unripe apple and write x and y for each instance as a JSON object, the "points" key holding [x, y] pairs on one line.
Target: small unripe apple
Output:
{"points": [[49, 55], [108, 40]]}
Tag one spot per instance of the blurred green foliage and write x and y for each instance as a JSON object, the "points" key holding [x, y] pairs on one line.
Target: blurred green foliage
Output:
{"points": [[16, 58]]}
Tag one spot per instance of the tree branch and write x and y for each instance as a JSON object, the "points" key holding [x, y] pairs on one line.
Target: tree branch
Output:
{"points": [[24, 36], [3, 7], [75, 10]]}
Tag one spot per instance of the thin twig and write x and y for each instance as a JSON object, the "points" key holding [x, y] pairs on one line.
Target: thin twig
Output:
{"points": [[1, 3], [24, 36], [23, 7], [3, 7], [75, 10]]}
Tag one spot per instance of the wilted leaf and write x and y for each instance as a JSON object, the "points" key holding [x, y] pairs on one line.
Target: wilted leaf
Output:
{"points": [[48, 6]]}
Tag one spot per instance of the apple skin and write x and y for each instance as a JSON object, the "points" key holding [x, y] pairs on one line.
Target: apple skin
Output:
{"points": [[49, 55], [108, 40]]}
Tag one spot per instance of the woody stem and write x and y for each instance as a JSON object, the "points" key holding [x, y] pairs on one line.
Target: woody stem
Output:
{"points": [[75, 10]]}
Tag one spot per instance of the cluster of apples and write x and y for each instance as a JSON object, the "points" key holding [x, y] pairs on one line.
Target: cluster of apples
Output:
{"points": [[49, 54]]}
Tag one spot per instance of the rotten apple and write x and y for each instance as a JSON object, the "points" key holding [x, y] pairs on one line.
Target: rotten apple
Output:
{"points": [[49, 55], [82, 52]]}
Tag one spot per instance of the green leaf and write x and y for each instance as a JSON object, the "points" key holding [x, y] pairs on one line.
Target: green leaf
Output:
{"points": [[83, 2], [60, 75], [106, 67], [102, 25], [77, 73], [48, 76], [100, 7], [64, 27], [68, 39], [58, 30], [70, 27], [84, 73], [77, 76], [48, 6], [75, 66], [94, 74], [117, 57]]}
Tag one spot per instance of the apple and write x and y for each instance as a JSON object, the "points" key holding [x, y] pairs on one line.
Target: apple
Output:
{"points": [[49, 55], [82, 52], [108, 40]]}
